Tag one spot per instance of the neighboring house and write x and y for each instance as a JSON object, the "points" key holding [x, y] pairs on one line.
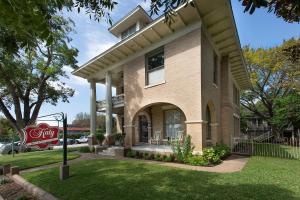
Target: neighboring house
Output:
{"points": [[172, 80], [256, 126]]}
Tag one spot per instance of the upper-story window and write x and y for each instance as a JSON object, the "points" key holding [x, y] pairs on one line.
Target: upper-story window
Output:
{"points": [[155, 72], [131, 30], [236, 95], [215, 73]]}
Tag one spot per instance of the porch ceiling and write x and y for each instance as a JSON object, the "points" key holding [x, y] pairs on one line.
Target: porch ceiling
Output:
{"points": [[217, 19]]}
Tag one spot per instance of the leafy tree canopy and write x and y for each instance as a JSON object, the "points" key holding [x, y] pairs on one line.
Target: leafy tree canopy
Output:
{"points": [[287, 111], [32, 77], [273, 75], [289, 10], [24, 23]]}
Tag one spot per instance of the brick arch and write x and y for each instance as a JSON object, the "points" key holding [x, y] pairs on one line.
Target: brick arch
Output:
{"points": [[210, 123], [212, 110], [143, 111]]}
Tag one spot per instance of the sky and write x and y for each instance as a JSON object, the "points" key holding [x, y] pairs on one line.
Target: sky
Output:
{"points": [[262, 29]]}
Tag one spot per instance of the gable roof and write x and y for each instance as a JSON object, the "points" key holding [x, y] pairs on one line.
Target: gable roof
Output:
{"points": [[216, 19]]}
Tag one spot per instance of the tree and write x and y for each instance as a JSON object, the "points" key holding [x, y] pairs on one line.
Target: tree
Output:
{"points": [[287, 112], [82, 119], [289, 10], [5, 126], [31, 78], [273, 75], [23, 24]]}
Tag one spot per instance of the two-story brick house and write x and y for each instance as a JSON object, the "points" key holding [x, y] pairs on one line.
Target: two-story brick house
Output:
{"points": [[172, 80]]}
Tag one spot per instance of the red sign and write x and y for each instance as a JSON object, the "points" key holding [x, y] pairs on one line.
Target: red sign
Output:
{"points": [[41, 135]]}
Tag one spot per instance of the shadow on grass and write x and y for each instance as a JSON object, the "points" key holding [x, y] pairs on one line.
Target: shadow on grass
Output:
{"points": [[112, 179]]}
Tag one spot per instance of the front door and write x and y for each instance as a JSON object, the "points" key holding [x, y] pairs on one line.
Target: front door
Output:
{"points": [[143, 128]]}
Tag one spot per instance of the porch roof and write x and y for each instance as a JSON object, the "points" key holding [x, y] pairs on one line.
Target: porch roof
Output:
{"points": [[216, 19]]}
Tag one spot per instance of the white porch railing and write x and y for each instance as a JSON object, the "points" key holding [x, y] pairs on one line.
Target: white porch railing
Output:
{"points": [[117, 101]]}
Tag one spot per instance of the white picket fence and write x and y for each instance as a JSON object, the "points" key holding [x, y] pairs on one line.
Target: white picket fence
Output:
{"points": [[275, 147]]}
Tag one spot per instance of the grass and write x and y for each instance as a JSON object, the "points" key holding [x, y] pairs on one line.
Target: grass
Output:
{"points": [[277, 150], [35, 159], [262, 178], [269, 149]]}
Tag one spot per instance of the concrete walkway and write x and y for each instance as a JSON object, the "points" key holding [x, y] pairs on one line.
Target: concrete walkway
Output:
{"points": [[234, 163]]}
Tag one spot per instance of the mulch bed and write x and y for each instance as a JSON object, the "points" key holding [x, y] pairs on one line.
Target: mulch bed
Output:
{"points": [[12, 191]]}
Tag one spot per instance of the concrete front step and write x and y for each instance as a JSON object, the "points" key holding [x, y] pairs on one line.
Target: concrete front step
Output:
{"points": [[114, 151]]}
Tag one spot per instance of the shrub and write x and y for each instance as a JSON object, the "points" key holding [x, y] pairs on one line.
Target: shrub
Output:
{"points": [[176, 148], [197, 160], [157, 157], [99, 137], [182, 152], [168, 158], [22, 197], [130, 153], [222, 150], [187, 148], [211, 156], [84, 150], [4, 181], [164, 157], [146, 155], [119, 138], [151, 156]]}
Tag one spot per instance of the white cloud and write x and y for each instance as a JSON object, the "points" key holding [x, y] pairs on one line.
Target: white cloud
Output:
{"points": [[73, 80], [95, 46]]}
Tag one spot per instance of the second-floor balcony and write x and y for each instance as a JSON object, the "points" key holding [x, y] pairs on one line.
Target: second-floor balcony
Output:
{"points": [[117, 103]]}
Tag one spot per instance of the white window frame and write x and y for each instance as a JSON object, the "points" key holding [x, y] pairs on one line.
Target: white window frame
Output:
{"points": [[147, 70]]}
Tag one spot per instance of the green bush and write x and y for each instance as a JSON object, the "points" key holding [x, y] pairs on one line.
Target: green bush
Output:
{"points": [[157, 157], [146, 155], [168, 158], [197, 160], [4, 181], [100, 137], [222, 150], [84, 150], [130, 153], [119, 137], [210, 155], [22, 197], [182, 152]]}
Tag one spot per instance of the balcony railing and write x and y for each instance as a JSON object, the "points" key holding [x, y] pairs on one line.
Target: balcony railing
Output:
{"points": [[117, 101]]}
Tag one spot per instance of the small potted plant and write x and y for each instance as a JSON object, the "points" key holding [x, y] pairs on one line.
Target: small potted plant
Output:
{"points": [[100, 138], [119, 139]]}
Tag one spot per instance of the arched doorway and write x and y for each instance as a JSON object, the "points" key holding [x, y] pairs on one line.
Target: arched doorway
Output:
{"points": [[160, 121], [143, 128]]}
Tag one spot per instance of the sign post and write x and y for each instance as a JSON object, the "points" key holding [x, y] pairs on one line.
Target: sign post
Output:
{"points": [[64, 169], [42, 136]]}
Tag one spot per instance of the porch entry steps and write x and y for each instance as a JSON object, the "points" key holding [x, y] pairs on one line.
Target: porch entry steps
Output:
{"points": [[263, 137], [114, 151]]}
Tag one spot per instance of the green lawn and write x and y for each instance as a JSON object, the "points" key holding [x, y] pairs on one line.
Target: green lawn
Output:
{"points": [[277, 150], [35, 159], [262, 178]]}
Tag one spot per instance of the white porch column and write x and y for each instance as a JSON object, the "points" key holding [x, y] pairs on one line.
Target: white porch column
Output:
{"points": [[108, 104], [93, 107]]}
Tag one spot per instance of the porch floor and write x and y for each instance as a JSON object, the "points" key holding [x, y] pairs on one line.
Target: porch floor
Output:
{"points": [[152, 148]]}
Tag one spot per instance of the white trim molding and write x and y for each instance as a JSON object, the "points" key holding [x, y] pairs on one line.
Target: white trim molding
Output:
{"points": [[196, 122]]}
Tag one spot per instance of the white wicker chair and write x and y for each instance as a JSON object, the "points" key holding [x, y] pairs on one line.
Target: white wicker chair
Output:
{"points": [[156, 138]]}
